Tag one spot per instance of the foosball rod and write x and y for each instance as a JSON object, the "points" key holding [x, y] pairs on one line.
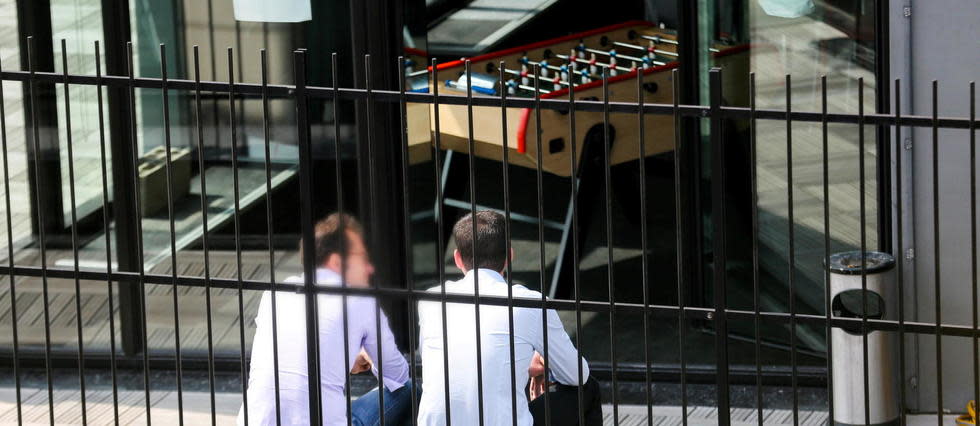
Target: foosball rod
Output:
{"points": [[627, 57], [605, 65], [530, 74], [531, 88], [644, 49], [564, 69], [661, 40], [418, 73], [543, 65]]}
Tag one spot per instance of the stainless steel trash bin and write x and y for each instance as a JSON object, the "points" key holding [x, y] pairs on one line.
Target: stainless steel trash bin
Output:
{"points": [[848, 358]]}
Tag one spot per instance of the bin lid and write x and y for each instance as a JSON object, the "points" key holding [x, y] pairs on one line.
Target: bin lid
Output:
{"points": [[849, 262]]}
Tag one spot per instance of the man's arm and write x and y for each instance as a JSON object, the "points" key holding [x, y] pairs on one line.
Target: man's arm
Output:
{"points": [[562, 355], [393, 363]]}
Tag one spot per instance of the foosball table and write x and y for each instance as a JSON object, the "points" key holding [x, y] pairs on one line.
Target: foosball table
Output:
{"points": [[622, 52]]}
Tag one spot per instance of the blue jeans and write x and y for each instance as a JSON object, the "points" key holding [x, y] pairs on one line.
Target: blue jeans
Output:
{"points": [[365, 410]]}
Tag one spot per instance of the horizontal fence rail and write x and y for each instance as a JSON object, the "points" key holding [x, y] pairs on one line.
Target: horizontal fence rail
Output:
{"points": [[288, 91], [660, 311], [716, 314]]}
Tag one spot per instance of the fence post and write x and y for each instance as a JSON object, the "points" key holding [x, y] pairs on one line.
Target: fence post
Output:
{"points": [[719, 241], [115, 26], [306, 229], [34, 22]]}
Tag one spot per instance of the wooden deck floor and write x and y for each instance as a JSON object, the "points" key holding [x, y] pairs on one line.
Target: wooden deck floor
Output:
{"points": [[160, 313]]}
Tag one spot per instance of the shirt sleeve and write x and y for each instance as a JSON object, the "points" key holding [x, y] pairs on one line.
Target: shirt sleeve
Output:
{"points": [[562, 355], [393, 363]]}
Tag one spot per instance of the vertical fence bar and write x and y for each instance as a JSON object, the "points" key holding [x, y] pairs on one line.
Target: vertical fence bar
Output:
{"points": [[826, 245], [678, 226], [241, 71], [753, 149], [899, 247], [864, 255], [306, 225], [791, 270], [936, 246], [40, 229], [74, 233], [108, 238], [973, 235], [580, 367], [440, 250], [541, 253], [718, 188], [10, 254], [471, 145], [269, 229], [375, 208], [105, 218], [610, 270], [505, 149], [204, 232], [407, 223], [340, 209], [645, 278], [212, 46], [237, 222], [173, 232], [138, 212], [881, 21]]}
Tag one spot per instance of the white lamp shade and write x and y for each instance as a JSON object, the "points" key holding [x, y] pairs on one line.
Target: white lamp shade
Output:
{"points": [[272, 11]]}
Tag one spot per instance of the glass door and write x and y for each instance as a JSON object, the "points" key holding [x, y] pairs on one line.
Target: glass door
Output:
{"points": [[807, 39]]}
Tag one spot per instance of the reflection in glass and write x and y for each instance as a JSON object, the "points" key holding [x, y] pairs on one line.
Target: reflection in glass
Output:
{"points": [[807, 40]]}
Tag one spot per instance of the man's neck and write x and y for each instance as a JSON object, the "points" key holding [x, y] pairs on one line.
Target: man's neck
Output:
{"points": [[467, 271]]}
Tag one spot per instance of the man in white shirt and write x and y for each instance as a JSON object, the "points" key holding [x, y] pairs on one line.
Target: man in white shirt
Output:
{"points": [[495, 341], [338, 238]]}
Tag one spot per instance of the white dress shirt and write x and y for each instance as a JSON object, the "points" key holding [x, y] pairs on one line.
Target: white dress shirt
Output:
{"points": [[291, 338], [495, 350]]}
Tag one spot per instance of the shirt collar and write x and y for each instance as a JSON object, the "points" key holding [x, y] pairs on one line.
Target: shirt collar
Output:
{"points": [[327, 277], [486, 276]]}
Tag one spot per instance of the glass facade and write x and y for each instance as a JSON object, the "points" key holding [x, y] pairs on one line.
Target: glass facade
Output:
{"points": [[765, 38], [13, 102]]}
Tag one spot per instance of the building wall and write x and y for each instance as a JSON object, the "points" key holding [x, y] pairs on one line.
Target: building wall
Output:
{"points": [[937, 41]]}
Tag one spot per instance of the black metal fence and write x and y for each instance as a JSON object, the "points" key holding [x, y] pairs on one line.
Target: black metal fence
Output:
{"points": [[716, 317]]}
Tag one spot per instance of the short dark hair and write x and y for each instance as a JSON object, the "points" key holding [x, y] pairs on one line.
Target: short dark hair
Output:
{"points": [[490, 240], [328, 238]]}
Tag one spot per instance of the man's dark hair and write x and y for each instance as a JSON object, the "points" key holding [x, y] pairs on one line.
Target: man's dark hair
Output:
{"points": [[328, 238], [490, 240]]}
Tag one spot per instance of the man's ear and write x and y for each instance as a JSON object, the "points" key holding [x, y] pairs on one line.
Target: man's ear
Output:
{"points": [[333, 262], [458, 258], [508, 261]]}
